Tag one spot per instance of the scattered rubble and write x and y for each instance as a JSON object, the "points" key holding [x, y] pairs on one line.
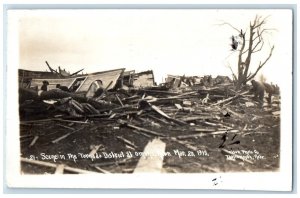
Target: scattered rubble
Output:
{"points": [[196, 114]]}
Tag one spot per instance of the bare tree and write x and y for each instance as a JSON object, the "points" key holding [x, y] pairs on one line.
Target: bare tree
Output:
{"points": [[253, 44]]}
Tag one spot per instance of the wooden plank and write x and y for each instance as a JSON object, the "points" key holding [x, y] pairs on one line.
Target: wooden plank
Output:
{"points": [[119, 100], [65, 136], [94, 150], [37, 121], [178, 106], [152, 160], [102, 170], [127, 142], [60, 138], [145, 130], [155, 108], [48, 164], [193, 118], [34, 140], [184, 94], [234, 113], [229, 99], [157, 119], [276, 113]]}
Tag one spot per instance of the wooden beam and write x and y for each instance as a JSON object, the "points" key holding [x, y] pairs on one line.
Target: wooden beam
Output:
{"points": [[48, 164]]}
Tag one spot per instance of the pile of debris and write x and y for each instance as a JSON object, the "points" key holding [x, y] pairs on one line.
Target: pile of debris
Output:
{"points": [[182, 109]]}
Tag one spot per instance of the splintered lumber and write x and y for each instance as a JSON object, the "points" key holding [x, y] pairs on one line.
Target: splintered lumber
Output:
{"points": [[152, 159], [203, 130], [184, 94], [127, 142], [276, 113], [157, 119], [185, 144], [48, 164], [67, 127], [144, 134], [222, 131], [155, 108], [141, 129], [189, 136], [34, 140], [217, 124], [66, 135], [37, 121], [234, 113], [102, 170], [74, 121], [187, 103], [120, 101], [61, 138], [179, 106], [94, 149], [145, 130], [89, 108], [192, 118], [229, 99]]}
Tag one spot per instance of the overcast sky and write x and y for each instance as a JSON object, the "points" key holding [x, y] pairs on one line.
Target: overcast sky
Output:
{"points": [[177, 42]]}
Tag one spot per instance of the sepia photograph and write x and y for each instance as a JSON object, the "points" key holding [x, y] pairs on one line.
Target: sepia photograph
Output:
{"points": [[170, 91]]}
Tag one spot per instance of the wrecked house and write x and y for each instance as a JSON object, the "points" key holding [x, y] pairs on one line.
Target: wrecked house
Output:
{"points": [[128, 78], [83, 82], [138, 80], [222, 79], [143, 118], [143, 79], [173, 81], [25, 76], [190, 81]]}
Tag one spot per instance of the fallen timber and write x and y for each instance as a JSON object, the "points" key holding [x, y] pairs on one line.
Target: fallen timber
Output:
{"points": [[127, 120]]}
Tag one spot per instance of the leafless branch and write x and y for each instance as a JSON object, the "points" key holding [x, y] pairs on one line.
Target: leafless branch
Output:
{"points": [[234, 76], [259, 48], [270, 54], [249, 75], [261, 65], [264, 30], [261, 22], [225, 23], [260, 41], [245, 51]]}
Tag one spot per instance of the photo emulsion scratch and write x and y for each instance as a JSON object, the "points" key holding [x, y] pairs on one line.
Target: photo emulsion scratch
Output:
{"points": [[152, 91]]}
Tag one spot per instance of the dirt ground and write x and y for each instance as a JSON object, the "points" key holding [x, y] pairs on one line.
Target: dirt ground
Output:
{"points": [[254, 138]]}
